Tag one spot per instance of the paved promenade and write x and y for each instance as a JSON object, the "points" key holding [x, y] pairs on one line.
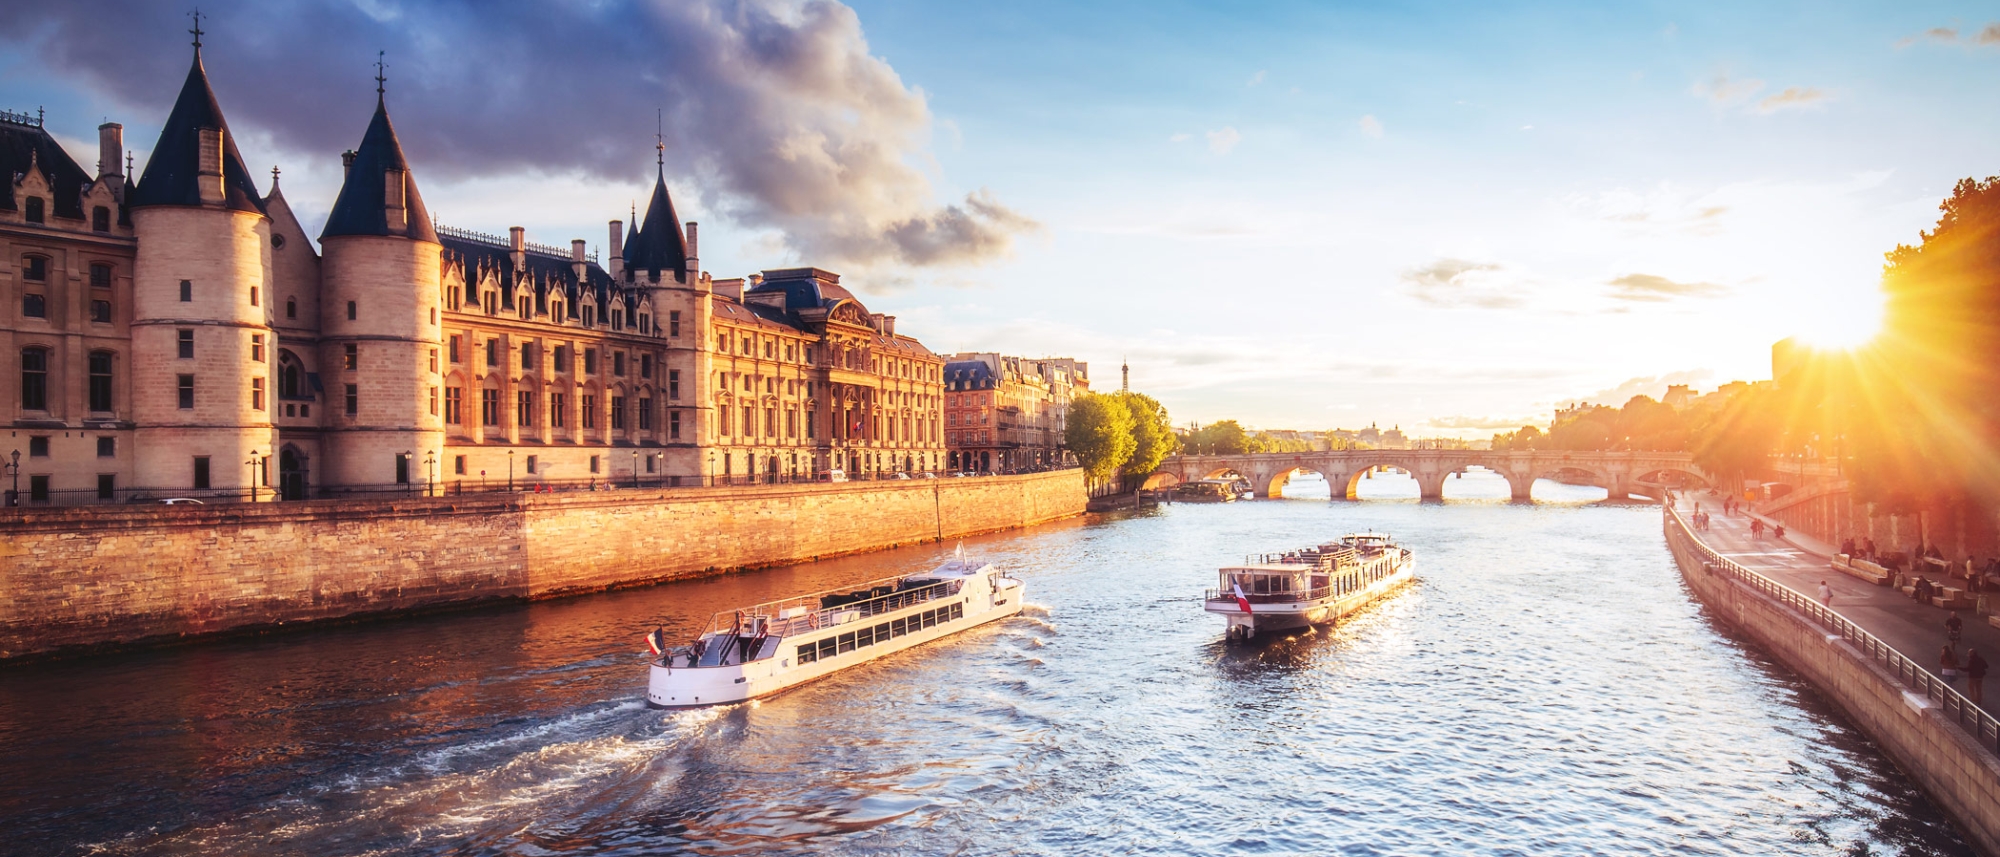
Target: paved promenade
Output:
{"points": [[1800, 562]]}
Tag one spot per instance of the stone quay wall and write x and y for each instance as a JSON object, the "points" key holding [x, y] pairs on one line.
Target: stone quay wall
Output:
{"points": [[1962, 776], [96, 576]]}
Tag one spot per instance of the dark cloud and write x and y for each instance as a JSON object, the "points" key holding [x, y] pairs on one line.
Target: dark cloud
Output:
{"points": [[1458, 283], [1650, 288], [775, 106]]}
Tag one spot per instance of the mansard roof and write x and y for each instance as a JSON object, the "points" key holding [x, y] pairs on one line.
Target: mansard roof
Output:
{"points": [[25, 144], [545, 273], [969, 375], [805, 288], [658, 245], [361, 206], [173, 170]]}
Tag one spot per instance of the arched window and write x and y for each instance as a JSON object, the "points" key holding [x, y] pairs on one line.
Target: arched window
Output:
{"points": [[291, 376], [34, 379], [100, 219], [34, 210], [101, 363]]}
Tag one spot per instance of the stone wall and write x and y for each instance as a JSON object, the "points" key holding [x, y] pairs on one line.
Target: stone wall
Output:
{"points": [[92, 576], [1962, 776]]}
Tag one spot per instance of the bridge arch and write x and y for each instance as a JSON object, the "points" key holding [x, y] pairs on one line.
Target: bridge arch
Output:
{"points": [[1281, 476], [1160, 480]]}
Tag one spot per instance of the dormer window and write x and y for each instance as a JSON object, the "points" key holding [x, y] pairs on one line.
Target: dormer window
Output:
{"points": [[491, 302], [556, 311], [617, 319], [34, 211], [588, 315], [100, 219]]}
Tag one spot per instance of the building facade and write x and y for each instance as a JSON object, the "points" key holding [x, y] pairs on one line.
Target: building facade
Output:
{"points": [[181, 337], [1007, 414]]}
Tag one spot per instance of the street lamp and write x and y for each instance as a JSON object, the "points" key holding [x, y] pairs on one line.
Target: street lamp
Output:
{"points": [[510, 471], [635, 468], [252, 463], [14, 470], [406, 459], [430, 473]]}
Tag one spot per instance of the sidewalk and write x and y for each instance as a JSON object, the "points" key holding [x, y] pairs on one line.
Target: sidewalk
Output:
{"points": [[1800, 562]]}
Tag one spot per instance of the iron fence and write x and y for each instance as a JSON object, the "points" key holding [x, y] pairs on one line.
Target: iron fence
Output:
{"points": [[1983, 727]]}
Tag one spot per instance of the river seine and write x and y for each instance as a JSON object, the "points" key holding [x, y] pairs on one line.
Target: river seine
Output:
{"points": [[1547, 687]]}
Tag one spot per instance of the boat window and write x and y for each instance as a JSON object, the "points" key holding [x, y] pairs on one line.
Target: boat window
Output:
{"points": [[864, 637], [826, 648], [930, 618], [881, 632], [847, 642], [958, 611], [808, 653], [896, 627]]}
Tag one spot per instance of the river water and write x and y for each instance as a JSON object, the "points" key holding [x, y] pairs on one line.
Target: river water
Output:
{"points": [[1547, 687]]}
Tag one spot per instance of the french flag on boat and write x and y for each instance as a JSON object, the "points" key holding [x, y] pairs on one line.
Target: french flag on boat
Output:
{"points": [[657, 641], [1242, 600]]}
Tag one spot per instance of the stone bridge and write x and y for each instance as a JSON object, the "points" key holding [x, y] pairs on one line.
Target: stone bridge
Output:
{"points": [[1621, 474]]}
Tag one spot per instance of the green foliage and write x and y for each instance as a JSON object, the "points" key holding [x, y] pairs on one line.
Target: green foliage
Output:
{"points": [[1738, 438], [1224, 437], [1152, 434], [1100, 434]]}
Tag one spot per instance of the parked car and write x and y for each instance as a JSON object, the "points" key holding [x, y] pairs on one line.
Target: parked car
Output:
{"points": [[834, 476], [181, 501]]}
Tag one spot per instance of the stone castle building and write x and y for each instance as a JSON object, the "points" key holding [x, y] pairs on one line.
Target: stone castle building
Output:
{"points": [[179, 336], [1009, 413]]}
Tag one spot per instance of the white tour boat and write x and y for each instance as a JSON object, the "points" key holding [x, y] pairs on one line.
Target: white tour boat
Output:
{"points": [[766, 648], [1311, 586]]}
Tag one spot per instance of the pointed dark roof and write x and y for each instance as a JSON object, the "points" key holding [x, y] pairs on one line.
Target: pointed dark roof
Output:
{"points": [[360, 209], [172, 169], [24, 145], [658, 246]]}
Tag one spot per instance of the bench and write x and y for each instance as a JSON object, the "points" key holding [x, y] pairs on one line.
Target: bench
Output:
{"points": [[1952, 598], [1862, 569]]}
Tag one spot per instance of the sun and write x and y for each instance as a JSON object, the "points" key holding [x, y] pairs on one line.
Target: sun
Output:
{"points": [[1841, 325]]}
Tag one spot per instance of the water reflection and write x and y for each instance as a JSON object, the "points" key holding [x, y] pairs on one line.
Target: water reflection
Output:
{"points": [[1546, 687]]}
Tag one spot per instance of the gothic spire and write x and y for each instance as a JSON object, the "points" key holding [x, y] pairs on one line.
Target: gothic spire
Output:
{"points": [[379, 196], [174, 170]]}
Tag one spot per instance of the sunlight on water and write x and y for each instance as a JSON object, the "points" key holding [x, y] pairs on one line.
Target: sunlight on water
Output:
{"points": [[1547, 687]]}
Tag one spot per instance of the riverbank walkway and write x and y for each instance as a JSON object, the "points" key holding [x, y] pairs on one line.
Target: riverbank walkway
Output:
{"points": [[1801, 562]]}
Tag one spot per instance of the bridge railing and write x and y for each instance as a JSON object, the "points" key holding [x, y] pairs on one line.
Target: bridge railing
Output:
{"points": [[1983, 727]]}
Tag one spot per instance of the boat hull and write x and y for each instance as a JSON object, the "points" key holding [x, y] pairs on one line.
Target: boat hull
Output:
{"points": [[1294, 615], [700, 687]]}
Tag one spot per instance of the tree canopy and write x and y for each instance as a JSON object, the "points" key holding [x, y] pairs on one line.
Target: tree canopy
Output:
{"points": [[1152, 434], [1099, 433]]}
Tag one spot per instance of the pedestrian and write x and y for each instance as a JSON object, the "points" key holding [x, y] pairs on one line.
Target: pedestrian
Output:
{"points": [[1975, 676], [1825, 594], [1953, 627], [1947, 663], [1779, 531]]}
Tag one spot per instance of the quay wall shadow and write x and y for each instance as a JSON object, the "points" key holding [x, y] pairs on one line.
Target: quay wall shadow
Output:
{"points": [[84, 577], [1962, 776]]}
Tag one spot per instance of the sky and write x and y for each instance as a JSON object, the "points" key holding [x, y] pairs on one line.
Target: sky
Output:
{"points": [[1448, 217]]}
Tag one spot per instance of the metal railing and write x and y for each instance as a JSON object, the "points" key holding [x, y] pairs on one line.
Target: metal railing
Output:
{"points": [[803, 613], [1983, 727]]}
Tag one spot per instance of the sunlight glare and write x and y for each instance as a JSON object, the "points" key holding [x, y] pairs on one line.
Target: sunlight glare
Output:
{"points": [[1842, 325]]}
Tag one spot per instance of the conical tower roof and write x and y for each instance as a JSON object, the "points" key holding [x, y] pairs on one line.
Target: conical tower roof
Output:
{"points": [[362, 208], [658, 245], [173, 171]]}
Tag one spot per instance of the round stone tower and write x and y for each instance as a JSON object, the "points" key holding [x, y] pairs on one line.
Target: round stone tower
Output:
{"points": [[202, 343], [380, 332]]}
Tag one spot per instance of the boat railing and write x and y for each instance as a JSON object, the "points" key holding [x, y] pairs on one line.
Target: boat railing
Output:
{"points": [[795, 616], [1312, 557]]}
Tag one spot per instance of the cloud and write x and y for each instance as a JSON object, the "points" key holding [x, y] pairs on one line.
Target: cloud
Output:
{"points": [[1371, 126], [1220, 142], [1480, 423], [1792, 97], [1654, 386], [1725, 91], [1988, 36], [1664, 208], [776, 109], [1460, 284], [1653, 289], [1256, 78]]}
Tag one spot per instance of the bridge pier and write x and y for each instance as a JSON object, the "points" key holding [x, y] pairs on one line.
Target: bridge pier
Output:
{"points": [[1430, 484]]}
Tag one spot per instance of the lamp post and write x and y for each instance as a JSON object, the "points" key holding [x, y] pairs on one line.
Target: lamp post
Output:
{"points": [[14, 470], [635, 468], [252, 464], [510, 471], [408, 458], [657, 460], [430, 473]]}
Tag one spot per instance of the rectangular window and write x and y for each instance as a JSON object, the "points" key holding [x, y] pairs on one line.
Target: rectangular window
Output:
{"points": [[527, 356], [454, 399], [590, 361], [434, 401], [256, 394], [562, 358], [201, 472], [493, 352], [618, 364], [107, 447], [770, 422], [722, 420], [353, 399], [590, 412], [808, 653], [847, 642], [100, 312], [187, 392], [35, 269], [673, 383], [38, 485], [593, 464], [532, 462], [674, 323], [291, 307], [402, 469], [749, 421], [556, 410], [253, 296], [187, 291], [107, 486], [458, 465], [350, 311], [185, 341], [896, 627], [489, 407], [524, 408], [38, 447], [791, 423], [722, 342], [100, 276], [826, 648], [645, 365], [257, 347], [618, 412], [434, 361], [100, 380], [451, 348], [674, 425], [350, 356], [645, 414]]}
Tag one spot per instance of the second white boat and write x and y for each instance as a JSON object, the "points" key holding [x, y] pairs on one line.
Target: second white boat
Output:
{"points": [[1311, 586]]}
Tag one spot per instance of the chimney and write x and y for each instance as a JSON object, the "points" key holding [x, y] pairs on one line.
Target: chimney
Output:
{"points": [[576, 259], [617, 246], [889, 325], [110, 142], [208, 166], [517, 241], [346, 163], [693, 257]]}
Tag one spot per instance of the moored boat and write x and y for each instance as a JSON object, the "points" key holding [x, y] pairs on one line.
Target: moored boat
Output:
{"points": [[765, 648], [1310, 586]]}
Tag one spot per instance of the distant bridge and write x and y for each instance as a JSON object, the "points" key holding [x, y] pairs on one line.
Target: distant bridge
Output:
{"points": [[1620, 474]]}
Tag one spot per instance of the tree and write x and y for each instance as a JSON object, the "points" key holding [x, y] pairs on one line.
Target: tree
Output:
{"points": [[1647, 425], [1738, 438], [1152, 434], [1224, 437], [1100, 434]]}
